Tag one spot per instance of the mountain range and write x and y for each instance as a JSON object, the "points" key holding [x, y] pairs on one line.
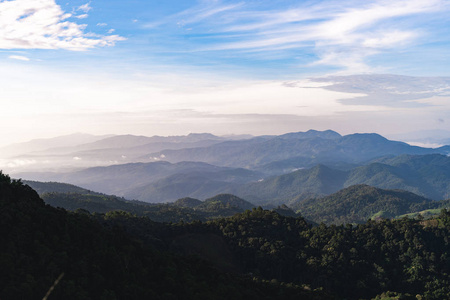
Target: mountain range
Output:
{"points": [[425, 175], [354, 204], [271, 154], [314, 146], [154, 182], [74, 152], [266, 170]]}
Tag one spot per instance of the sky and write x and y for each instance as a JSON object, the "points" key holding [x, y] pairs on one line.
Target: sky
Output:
{"points": [[225, 67]]}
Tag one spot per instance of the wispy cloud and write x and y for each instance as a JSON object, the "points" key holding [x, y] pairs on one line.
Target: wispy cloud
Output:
{"points": [[343, 35], [29, 24], [201, 13], [83, 16], [19, 57], [390, 90], [85, 7], [195, 14]]}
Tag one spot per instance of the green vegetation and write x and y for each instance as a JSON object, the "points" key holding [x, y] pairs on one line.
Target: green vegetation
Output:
{"points": [[353, 262], [424, 175], [317, 181], [225, 201], [100, 260], [358, 203], [385, 258], [355, 204], [187, 202], [185, 209], [257, 254]]}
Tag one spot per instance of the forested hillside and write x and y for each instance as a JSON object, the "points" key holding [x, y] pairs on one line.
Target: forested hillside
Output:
{"points": [[355, 204], [98, 259], [118, 255], [425, 175], [185, 209], [359, 203]]}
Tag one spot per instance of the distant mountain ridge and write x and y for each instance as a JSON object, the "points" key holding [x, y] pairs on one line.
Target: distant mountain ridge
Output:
{"points": [[319, 146], [317, 181], [154, 182], [311, 164], [277, 153], [70, 140], [76, 152], [425, 175]]}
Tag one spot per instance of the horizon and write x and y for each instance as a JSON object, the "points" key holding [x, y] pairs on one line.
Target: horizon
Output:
{"points": [[414, 137], [224, 67]]}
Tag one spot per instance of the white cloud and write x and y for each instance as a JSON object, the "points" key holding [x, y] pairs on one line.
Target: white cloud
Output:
{"points": [[388, 39], [83, 16], [391, 90], [31, 24], [102, 24], [111, 31], [85, 7], [19, 57]]}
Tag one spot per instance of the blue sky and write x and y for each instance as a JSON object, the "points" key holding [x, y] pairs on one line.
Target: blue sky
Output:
{"points": [[268, 39], [174, 67]]}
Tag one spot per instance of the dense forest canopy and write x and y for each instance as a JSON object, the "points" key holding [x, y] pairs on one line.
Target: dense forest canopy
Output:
{"points": [[257, 254], [101, 257]]}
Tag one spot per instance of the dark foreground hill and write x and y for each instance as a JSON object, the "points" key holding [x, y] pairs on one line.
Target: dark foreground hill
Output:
{"points": [[118, 256], [95, 261]]}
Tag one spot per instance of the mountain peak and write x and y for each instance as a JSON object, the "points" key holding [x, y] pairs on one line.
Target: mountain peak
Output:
{"points": [[366, 136], [310, 134]]}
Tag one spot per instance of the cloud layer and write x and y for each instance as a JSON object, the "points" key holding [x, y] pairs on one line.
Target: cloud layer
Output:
{"points": [[340, 34], [388, 90], [42, 24]]}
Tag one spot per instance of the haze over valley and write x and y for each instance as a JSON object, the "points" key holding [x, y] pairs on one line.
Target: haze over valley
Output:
{"points": [[268, 170]]}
